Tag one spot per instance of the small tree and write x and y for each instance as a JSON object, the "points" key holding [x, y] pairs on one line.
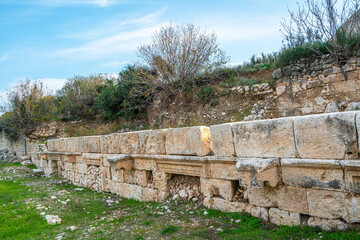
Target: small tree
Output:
{"points": [[180, 54], [327, 24], [29, 104]]}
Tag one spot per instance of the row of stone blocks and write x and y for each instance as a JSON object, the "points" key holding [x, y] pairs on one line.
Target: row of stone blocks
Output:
{"points": [[324, 136], [284, 191]]}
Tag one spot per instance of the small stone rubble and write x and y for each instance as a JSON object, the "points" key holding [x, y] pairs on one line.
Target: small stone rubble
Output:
{"points": [[263, 88], [7, 155], [187, 187]]}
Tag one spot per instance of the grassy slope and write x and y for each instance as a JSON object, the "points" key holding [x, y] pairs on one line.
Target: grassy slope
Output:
{"points": [[24, 196]]}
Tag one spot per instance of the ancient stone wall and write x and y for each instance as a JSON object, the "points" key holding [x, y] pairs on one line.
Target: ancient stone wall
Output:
{"points": [[317, 86], [20, 147], [292, 171]]}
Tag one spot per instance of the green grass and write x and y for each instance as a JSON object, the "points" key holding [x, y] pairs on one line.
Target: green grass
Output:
{"points": [[125, 218], [169, 230]]}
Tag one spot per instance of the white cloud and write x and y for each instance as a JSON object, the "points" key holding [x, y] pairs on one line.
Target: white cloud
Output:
{"points": [[114, 64], [59, 3], [53, 84], [114, 25], [4, 58], [112, 37]]}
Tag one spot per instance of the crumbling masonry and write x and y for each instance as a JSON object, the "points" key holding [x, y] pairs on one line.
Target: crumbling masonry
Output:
{"points": [[293, 171]]}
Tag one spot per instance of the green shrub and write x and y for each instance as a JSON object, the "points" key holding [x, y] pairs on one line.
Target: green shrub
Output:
{"points": [[77, 98], [125, 98], [207, 93], [292, 54]]}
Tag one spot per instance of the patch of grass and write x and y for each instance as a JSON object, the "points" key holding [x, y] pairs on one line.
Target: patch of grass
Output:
{"points": [[239, 81], [168, 230], [239, 116], [7, 164]]}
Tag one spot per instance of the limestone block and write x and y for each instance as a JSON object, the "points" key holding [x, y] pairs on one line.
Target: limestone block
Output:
{"points": [[105, 144], [144, 164], [326, 136], [238, 207], [162, 181], [194, 141], [163, 195], [328, 224], [352, 175], [80, 144], [260, 212], [92, 144], [217, 188], [121, 161], [152, 142], [81, 168], [222, 140], [51, 145], [130, 191], [326, 204], [222, 170], [108, 185], [117, 175], [285, 197], [281, 217], [61, 145], [125, 143], [312, 173], [256, 172], [264, 138], [150, 195], [219, 204], [136, 177]]}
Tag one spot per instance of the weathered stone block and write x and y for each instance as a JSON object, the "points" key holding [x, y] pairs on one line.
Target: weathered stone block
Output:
{"points": [[312, 173], [81, 168], [326, 204], [92, 144], [105, 144], [51, 145], [260, 212], [194, 141], [326, 136], [136, 177], [152, 142], [217, 188], [285, 197], [352, 175], [222, 140], [162, 181], [117, 175], [144, 164], [222, 170], [125, 143], [256, 172], [265, 138], [281, 217], [150, 195], [328, 224]]}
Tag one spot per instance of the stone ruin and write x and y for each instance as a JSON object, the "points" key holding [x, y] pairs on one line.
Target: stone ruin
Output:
{"points": [[289, 171]]}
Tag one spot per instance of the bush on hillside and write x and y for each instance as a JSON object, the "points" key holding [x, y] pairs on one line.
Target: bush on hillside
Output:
{"points": [[77, 97], [126, 98]]}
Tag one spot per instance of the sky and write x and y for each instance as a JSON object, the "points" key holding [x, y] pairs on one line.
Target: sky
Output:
{"points": [[54, 40]]}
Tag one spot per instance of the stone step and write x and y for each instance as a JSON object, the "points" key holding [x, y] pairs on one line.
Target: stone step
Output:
{"points": [[26, 162]]}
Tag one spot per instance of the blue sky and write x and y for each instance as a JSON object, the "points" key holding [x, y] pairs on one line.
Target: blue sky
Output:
{"points": [[57, 39]]}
